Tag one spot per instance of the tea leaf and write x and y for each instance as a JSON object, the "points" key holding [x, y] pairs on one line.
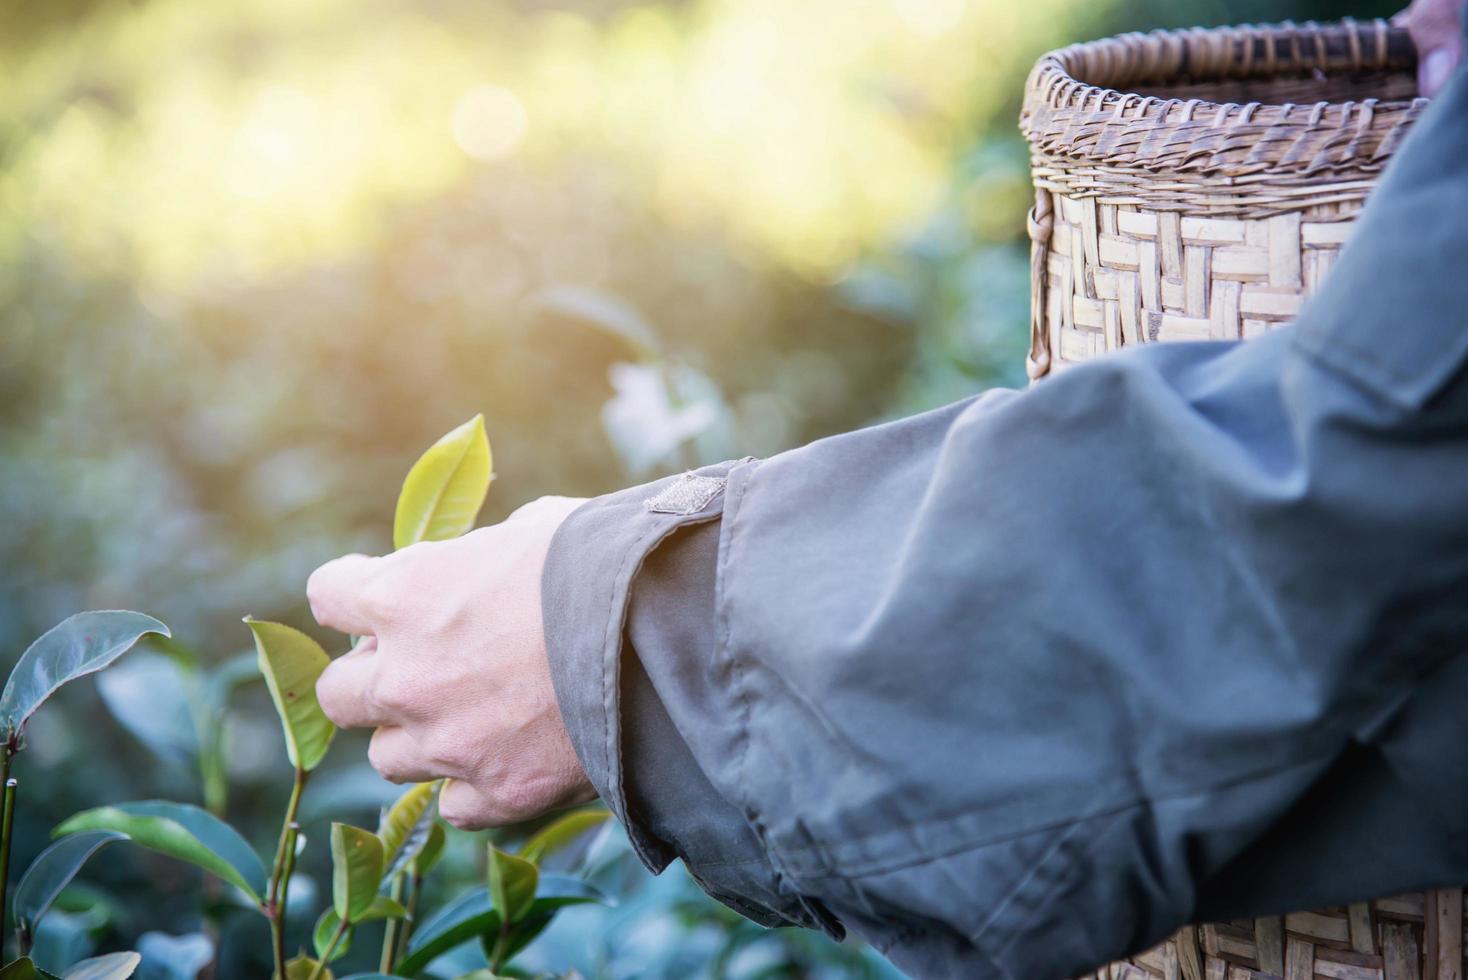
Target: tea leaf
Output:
{"points": [[560, 833], [149, 694], [432, 849], [604, 313], [169, 957], [445, 488], [321, 936], [521, 934], [52, 870], [356, 858], [512, 883], [405, 827], [292, 662], [473, 914], [24, 969], [181, 831], [77, 646], [383, 907], [113, 966], [302, 968]]}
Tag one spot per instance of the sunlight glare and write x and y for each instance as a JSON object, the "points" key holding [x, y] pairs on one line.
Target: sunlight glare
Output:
{"points": [[488, 122]]}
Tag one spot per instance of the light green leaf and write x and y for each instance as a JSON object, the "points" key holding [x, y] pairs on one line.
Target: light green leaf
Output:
{"points": [[405, 827], [512, 882], [484, 974], [382, 907], [444, 490], [356, 858], [77, 646], [113, 966], [292, 662], [560, 833], [303, 967], [24, 969], [432, 849], [325, 931], [181, 831], [51, 871]]}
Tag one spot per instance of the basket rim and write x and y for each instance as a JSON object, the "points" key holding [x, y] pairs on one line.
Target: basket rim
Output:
{"points": [[1077, 107]]}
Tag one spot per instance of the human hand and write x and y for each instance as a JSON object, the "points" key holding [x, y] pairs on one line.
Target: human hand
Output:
{"points": [[1436, 27], [452, 670]]}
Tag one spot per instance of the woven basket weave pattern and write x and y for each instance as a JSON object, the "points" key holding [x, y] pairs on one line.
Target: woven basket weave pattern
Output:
{"points": [[1161, 214], [1410, 937], [1197, 185]]}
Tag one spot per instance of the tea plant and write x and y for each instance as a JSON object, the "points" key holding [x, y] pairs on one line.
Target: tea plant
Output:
{"points": [[80, 645], [378, 875]]}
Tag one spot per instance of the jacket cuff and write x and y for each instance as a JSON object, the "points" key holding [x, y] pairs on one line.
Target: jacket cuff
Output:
{"points": [[594, 558]]}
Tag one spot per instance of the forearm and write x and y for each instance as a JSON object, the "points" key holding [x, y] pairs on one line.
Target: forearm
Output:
{"points": [[1021, 684]]}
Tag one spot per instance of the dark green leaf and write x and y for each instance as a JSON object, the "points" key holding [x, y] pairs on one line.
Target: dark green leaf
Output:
{"points": [[356, 858], [113, 966], [292, 662], [444, 490], [473, 914], [521, 934], [24, 969], [181, 831], [512, 883], [560, 833], [80, 645], [52, 870]]}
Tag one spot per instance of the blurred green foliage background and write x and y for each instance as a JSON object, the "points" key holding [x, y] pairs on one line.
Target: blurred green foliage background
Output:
{"points": [[254, 257]]}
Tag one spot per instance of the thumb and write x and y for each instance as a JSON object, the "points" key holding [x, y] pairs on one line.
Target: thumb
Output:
{"points": [[338, 591]]}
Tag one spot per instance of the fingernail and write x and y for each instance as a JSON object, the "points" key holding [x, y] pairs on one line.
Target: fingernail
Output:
{"points": [[1436, 68]]}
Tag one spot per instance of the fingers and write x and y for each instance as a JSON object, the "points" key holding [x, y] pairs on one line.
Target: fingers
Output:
{"points": [[340, 594], [1436, 29], [465, 807], [1436, 68], [398, 758], [345, 689]]}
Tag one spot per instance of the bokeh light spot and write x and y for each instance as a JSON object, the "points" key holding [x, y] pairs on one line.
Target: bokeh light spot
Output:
{"points": [[489, 122]]}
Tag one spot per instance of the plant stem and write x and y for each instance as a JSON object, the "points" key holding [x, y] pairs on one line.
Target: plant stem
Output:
{"points": [[501, 945], [392, 935], [415, 888], [336, 938], [7, 821], [285, 859]]}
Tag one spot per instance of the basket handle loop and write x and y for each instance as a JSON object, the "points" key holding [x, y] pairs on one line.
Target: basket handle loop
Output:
{"points": [[1041, 223]]}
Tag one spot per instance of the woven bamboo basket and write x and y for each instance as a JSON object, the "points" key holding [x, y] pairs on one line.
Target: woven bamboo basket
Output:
{"points": [[1196, 185]]}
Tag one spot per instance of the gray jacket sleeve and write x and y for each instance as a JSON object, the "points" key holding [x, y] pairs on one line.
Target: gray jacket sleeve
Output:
{"points": [[1018, 686]]}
